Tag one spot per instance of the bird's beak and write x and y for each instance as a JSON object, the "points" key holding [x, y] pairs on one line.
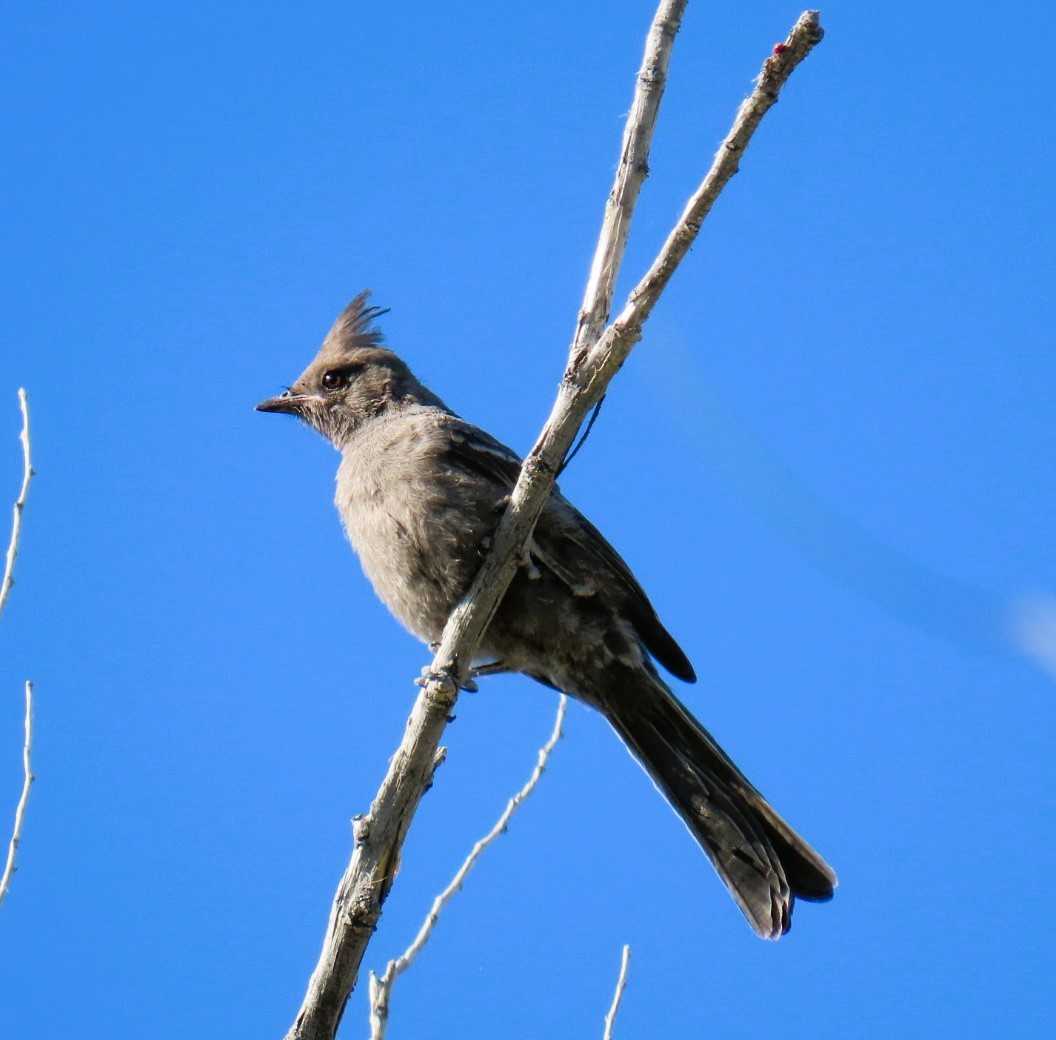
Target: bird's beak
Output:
{"points": [[287, 402]]}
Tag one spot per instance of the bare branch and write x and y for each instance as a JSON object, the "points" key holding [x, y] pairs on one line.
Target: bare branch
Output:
{"points": [[586, 380], [621, 984], [381, 989], [368, 878], [20, 504], [20, 810]]}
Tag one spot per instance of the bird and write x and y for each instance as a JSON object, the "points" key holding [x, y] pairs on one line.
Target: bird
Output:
{"points": [[420, 491]]}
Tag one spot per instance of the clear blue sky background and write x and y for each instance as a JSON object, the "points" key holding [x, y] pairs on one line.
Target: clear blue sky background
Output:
{"points": [[830, 462]]}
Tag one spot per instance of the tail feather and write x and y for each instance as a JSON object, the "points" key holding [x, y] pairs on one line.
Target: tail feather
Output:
{"points": [[762, 861]]}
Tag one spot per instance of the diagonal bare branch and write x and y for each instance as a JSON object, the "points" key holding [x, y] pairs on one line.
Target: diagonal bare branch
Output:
{"points": [[586, 380]]}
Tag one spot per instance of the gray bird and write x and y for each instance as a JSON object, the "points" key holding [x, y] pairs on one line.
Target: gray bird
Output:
{"points": [[420, 492]]}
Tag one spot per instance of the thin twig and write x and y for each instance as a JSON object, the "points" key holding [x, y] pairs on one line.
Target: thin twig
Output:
{"points": [[20, 810], [20, 504], [381, 988], [621, 984], [5, 591], [368, 878]]}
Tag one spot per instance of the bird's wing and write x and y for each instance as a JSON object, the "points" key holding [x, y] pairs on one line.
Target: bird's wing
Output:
{"points": [[572, 548], [471, 449], [639, 611]]}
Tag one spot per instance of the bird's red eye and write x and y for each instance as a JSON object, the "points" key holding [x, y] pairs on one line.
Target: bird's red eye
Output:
{"points": [[333, 380]]}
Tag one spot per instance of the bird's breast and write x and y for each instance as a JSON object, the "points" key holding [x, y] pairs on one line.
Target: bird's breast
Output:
{"points": [[418, 545]]}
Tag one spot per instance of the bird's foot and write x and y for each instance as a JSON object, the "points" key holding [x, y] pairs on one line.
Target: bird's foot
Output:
{"points": [[430, 675], [469, 683]]}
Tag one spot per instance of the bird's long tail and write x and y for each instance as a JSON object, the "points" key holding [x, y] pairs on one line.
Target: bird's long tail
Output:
{"points": [[762, 861]]}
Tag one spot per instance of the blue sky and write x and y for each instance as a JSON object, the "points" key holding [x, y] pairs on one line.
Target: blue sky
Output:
{"points": [[829, 461]]}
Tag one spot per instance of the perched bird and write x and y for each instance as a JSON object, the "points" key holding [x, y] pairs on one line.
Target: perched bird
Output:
{"points": [[420, 492]]}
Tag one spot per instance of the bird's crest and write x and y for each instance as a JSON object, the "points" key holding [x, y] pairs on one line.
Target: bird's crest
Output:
{"points": [[355, 327]]}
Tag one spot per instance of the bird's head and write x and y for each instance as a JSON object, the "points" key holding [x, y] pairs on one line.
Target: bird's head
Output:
{"points": [[352, 379]]}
